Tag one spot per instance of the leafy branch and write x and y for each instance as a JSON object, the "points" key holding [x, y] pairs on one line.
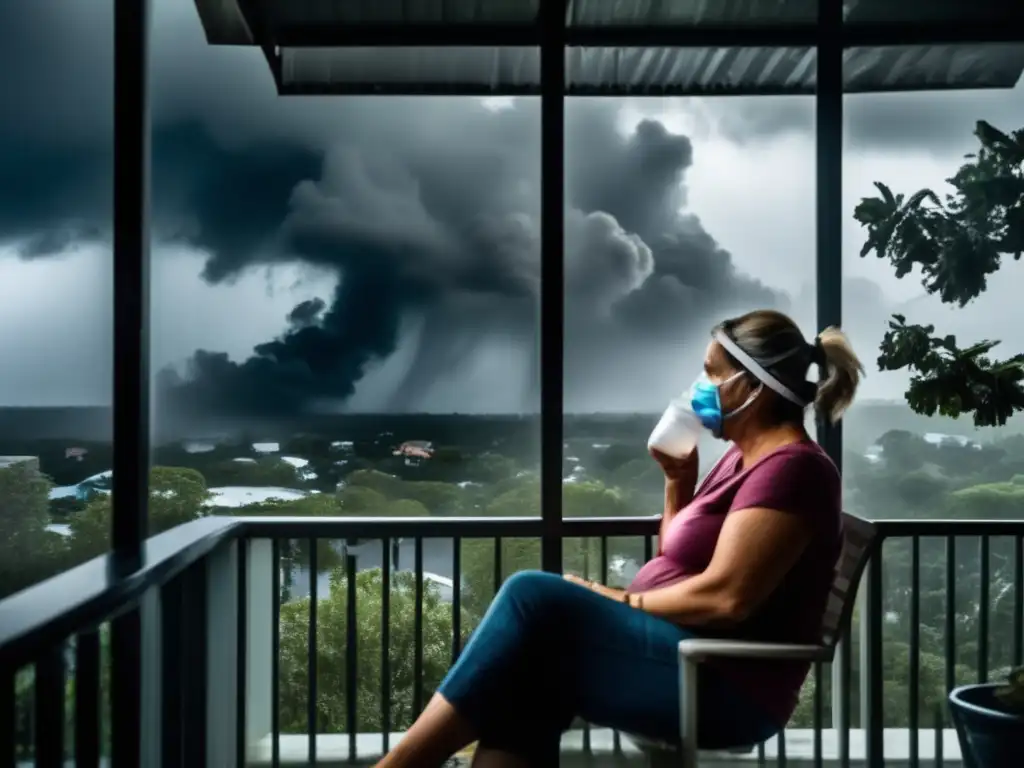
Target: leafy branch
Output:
{"points": [[950, 380], [956, 242]]}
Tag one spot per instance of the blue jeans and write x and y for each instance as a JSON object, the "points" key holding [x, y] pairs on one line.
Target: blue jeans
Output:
{"points": [[548, 651]]}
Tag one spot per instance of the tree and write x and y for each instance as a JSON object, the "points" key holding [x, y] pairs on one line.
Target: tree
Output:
{"points": [[956, 242], [332, 650], [357, 500], [176, 495], [269, 471], [381, 482], [28, 552]]}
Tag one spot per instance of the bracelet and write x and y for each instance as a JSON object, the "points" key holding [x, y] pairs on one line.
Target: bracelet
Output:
{"points": [[627, 599]]}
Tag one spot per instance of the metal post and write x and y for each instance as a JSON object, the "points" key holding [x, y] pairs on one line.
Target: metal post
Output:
{"points": [[552, 282], [131, 283], [874, 735], [829, 248], [131, 364], [829, 141]]}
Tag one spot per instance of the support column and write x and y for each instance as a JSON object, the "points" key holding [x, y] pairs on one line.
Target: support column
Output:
{"points": [[829, 270], [829, 146], [131, 366], [552, 279]]}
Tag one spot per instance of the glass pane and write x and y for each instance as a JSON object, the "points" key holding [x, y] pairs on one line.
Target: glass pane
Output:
{"points": [[678, 218], [899, 460], [55, 327]]}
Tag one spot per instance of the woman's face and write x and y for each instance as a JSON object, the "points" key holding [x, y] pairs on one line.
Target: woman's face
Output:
{"points": [[732, 394]]}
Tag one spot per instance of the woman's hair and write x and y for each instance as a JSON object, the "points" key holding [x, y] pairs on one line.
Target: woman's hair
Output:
{"points": [[775, 341]]}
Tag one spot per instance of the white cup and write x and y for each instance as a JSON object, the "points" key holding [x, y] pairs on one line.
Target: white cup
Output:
{"points": [[677, 431]]}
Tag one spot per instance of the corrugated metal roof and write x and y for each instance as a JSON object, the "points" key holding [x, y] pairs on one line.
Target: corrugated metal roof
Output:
{"points": [[402, 11], [645, 71], [931, 11], [485, 71], [692, 12], [652, 71], [927, 67]]}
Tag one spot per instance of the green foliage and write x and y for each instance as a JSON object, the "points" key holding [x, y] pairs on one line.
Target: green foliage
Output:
{"points": [[332, 649], [176, 495], [28, 552], [989, 501], [267, 471], [956, 242], [953, 381], [357, 500]]}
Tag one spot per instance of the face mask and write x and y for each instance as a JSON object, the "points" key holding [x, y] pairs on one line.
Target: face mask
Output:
{"points": [[706, 402]]}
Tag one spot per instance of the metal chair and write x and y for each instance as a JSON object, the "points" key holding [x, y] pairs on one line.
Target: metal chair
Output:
{"points": [[859, 538]]}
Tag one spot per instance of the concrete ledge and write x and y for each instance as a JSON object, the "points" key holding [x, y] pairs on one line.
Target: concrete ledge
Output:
{"points": [[333, 749]]}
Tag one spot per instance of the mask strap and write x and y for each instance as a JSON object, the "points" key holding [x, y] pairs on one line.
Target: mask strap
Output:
{"points": [[757, 369]]}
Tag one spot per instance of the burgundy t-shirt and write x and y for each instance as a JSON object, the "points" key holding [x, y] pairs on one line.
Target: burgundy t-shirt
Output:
{"points": [[798, 478]]}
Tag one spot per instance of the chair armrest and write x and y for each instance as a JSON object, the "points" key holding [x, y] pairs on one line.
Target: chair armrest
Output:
{"points": [[698, 649]]}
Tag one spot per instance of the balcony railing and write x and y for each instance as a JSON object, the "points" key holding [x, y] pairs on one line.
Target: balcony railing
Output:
{"points": [[250, 655]]}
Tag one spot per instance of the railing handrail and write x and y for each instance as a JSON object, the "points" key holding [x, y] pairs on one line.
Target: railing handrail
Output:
{"points": [[92, 593]]}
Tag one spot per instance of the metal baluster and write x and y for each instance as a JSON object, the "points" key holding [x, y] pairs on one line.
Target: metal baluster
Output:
{"points": [[915, 647], [983, 610], [498, 576], [818, 703], [87, 699], [950, 639], [194, 664], [275, 655], [241, 656], [417, 663], [311, 653], [456, 598], [351, 654], [8, 709], [385, 646], [49, 707]]}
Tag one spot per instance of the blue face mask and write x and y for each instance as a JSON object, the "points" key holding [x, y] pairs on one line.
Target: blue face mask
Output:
{"points": [[706, 402]]}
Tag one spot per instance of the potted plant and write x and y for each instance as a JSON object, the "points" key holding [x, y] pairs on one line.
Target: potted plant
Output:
{"points": [[989, 720]]}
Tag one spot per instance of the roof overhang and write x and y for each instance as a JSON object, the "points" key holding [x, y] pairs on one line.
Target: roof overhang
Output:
{"points": [[638, 48]]}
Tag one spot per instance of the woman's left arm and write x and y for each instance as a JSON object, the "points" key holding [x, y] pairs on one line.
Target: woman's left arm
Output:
{"points": [[756, 548]]}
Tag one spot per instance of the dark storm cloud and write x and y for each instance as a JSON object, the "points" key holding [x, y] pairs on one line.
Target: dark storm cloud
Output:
{"points": [[426, 210]]}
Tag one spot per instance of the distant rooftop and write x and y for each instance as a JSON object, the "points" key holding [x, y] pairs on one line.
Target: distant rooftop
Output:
{"points": [[621, 47]]}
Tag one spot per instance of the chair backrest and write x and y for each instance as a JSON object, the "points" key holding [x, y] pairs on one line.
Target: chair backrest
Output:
{"points": [[859, 537]]}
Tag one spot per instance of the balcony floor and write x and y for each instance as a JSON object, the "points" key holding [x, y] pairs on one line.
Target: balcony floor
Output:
{"points": [[333, 750]]}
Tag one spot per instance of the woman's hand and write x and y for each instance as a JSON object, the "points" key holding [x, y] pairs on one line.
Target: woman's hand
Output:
{"points": [[609, 592], [676, 469]]}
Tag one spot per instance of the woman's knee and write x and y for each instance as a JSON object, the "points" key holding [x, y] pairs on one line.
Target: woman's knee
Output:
{"points": [[532, 591]]}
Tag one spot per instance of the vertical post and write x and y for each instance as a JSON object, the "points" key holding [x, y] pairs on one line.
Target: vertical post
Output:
{"points": [[552, 282], [259, 610], [829, 145], [829, 243], [222, 606], [874, 735], [151, 677], [131, 282], [131, 363]]}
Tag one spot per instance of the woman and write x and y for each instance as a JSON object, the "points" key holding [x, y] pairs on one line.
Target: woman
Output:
{"points": [[749, 554]]}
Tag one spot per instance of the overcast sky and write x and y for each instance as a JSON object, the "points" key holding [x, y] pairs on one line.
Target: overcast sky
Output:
{"points": [[386, 249]]}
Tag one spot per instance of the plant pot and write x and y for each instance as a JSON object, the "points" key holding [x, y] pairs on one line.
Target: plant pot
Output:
{"points": [[991, 735]]}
